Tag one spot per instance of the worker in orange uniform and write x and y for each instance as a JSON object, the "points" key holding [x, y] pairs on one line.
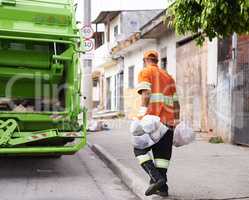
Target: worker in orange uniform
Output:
{"points": [[158, 92]]}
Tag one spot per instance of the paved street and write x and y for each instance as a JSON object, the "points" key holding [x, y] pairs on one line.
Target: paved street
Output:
{"points": [[198, 171], [79, 177]]}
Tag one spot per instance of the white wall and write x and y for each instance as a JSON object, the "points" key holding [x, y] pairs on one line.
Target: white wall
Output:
{"points": [[135, 58], [212, 62], [111, 71], [116, 21], [101, 56], [96, 93], [113, 23], [169, 41]]}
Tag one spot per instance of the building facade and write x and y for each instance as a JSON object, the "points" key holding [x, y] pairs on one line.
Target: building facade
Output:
{"points": [[152, 35], [211, 80], [118, 26]]}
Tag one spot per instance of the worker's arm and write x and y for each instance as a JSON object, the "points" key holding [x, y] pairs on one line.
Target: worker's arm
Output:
{"points": [[144, 89], [145, 98]]}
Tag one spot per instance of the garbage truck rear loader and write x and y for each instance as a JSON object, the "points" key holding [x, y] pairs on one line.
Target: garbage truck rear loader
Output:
{"points": [[40, 78]]}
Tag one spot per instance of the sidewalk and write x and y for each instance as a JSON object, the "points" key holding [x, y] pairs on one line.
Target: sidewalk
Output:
{"points": [[197, 171]]}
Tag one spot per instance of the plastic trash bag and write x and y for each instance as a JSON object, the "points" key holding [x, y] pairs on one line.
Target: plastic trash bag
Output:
{"points": [[183, 135], [142, 142], [147, 132], [136, 129], [150, 123], [159, 133]]}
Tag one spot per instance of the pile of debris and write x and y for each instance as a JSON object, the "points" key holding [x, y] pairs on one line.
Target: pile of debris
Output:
{"points": [[29, 105], [95, 126]]}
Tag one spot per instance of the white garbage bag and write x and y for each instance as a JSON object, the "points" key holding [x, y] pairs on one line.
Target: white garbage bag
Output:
{"points": [[159, 133], [183, 135], [150, 123], [95, 126], [142, 142], [147, 132], [136, 129]]}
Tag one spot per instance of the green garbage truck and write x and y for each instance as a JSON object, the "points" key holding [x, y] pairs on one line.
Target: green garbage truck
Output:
{"points": [[40, 79]]}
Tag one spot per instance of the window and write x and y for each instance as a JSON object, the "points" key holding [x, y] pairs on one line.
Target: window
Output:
{"points": [[108, 94], [164, 63], [115, 31], [99, 39], [95, 83], [131, 77]]}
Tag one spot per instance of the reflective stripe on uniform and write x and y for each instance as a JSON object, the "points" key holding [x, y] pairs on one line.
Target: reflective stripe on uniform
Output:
{"points": [[175, 97], [162, 163], [160, 98], [143, 158], [143, 86]]}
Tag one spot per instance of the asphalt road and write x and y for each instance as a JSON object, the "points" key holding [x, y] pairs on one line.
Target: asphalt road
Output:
{"points": [[79, 177]]}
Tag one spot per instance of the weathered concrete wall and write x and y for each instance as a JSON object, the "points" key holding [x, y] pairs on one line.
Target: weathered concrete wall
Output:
{"points": [[191, 81], [205, 89], [229, 100], [212, 104], [224, 101], [212, 62], [226, 98], [240, 93], [212, 85]]}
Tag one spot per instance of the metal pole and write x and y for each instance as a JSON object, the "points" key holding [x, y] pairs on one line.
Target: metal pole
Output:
{"points": [[87, 65]]}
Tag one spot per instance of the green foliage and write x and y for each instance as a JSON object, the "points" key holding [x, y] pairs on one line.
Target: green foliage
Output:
{"points": [[210, 18], [216, 140]]}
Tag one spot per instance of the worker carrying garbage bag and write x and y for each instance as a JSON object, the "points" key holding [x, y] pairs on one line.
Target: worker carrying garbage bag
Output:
{"points": [[158, 96], [149, 130]]}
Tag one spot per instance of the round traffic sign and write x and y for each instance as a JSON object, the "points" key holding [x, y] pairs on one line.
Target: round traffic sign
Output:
{"points": [[87, 32], [89, 45]]}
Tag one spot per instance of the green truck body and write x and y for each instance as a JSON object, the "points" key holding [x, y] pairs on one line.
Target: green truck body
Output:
{"points": [[40, 78]]}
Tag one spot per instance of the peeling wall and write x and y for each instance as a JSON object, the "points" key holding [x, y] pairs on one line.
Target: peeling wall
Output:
{"points": [[212, 101], [224, 100], [191, 81]]}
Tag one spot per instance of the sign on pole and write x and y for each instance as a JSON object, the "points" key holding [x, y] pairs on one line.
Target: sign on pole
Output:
{"points": [[87, 32], [89, 45], [89, 48]]}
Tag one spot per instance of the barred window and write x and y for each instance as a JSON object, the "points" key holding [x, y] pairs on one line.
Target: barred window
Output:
{"points": [[115, 31], [131, 77], [164, 63]]}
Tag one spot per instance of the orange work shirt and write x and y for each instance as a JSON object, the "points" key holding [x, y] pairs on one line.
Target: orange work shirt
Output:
{"points": [[163, 92]]}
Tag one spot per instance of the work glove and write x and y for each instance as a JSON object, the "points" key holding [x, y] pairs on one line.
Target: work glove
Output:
{"points": [[141, 112]]}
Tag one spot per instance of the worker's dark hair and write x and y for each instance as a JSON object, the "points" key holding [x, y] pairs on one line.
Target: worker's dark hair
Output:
{"points": [[153, 58]]}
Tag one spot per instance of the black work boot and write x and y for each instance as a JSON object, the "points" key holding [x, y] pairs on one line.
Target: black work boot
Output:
{"points": [[158, 180], [163, 191]]}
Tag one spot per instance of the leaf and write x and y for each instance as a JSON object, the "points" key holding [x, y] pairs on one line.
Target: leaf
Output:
{"points": [[216, 18]]}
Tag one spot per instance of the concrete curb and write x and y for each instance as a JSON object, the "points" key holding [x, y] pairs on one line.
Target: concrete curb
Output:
{"points": [[130, 179]]}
